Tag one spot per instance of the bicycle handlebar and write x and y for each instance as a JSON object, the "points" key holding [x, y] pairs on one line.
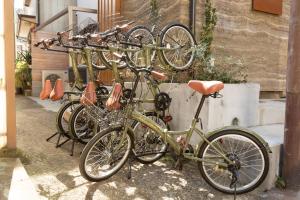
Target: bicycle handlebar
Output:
{"points": [[46, 42]]}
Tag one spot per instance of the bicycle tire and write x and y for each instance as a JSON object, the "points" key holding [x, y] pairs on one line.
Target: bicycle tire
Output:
{"points": [[96, 65], [157, 156], [60, 115], [238, 133], [163, 34], [72, 124], [92, 143], [127, 39]]}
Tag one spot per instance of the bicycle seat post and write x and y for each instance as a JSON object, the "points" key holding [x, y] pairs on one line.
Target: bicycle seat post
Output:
{"points": [[200, 107]]}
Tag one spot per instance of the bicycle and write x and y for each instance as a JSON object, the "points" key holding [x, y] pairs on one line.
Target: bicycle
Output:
{"points": [[69, 104], [171, 44], [238, 156]]}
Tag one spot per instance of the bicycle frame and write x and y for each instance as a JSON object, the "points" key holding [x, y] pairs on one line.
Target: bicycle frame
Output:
{"points": [[167, 136]]}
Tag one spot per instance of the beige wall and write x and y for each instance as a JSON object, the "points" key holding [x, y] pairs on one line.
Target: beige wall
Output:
{"points": [[171, 10], [258, 38]]}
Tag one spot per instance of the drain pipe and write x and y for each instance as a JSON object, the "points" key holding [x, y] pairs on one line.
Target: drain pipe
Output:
{"points": [[192, 16], [38, 10]]}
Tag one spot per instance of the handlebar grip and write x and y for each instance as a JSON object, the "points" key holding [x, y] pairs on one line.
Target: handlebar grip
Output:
{"points": [[37, 44], [49, 42]]}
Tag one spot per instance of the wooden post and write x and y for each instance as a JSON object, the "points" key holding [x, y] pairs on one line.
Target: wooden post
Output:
{"points": [[291, 168], [9, 46]]}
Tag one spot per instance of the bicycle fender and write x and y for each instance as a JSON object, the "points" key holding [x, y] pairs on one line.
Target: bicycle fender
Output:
{"points": [[245, 130]]}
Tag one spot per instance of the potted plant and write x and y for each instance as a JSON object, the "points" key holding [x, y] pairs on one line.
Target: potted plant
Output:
{"points": [[23, 73]]}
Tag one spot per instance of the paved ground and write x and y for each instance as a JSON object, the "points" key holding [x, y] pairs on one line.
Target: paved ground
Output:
{"points": [[56, 175], [6, 171]]}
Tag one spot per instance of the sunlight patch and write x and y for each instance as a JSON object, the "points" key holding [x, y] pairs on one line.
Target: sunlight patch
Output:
{"points": [[130, 190]]}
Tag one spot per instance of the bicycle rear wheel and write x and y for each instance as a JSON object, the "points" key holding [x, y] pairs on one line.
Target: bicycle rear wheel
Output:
{"points": [[107, 57], [81, 126], [63, 116], [136, 58], [178, 40], [105, 154], [96, 62], [148, 144], [246, 150]]}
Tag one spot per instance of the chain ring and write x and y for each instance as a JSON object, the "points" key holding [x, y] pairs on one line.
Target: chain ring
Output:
{"points": [[162, 101], [102, 90]]}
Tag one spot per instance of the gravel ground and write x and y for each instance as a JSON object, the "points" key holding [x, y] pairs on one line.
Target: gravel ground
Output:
{"points": [[55, 174]]}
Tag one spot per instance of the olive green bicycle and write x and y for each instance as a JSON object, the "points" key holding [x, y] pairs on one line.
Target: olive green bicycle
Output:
{"points": [[231, 159]]}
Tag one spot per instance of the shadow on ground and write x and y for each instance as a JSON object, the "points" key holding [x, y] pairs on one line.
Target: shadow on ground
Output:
{"points": [[56, 175]]}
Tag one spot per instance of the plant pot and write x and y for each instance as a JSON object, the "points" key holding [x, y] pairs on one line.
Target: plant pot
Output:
{"points": [[19, 90], [27, 92], [238, 106]]}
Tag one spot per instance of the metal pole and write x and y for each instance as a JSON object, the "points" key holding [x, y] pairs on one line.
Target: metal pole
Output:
{"points": [[192, 16], [291, 168]]}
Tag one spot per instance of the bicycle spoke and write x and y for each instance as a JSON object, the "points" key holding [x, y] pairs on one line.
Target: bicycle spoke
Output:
{"points": [[237, 147]]}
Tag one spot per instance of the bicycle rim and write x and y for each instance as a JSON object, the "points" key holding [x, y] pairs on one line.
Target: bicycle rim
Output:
{"points": [[107, 154], [245, 151]]}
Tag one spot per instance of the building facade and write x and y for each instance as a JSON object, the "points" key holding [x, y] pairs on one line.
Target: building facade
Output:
{"points": [[259, 39]]}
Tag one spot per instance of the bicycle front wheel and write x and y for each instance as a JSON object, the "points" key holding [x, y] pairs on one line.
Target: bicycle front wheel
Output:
{"points": [[245, 150], [105, 154], [177, 40]]}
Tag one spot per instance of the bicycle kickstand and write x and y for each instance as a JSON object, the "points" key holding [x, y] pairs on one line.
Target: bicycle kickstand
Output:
{"points": [[58, 140], [49, 138], [130, 161], [72, 149], [234, 181]]}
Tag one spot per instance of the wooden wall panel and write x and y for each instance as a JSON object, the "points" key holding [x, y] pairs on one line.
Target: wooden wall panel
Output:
{"points": [[45, 60]]}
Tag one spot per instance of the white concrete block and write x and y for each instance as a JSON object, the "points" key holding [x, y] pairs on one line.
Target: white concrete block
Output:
{"points": [[239, 101], [271, 112], [274, 135]]}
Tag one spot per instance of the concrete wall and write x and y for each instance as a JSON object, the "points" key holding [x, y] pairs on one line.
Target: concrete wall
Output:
{"points": [[257, 38]]}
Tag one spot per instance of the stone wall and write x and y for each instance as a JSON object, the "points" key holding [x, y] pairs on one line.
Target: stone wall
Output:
{"points": [[170, 10], [259, 39]]}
